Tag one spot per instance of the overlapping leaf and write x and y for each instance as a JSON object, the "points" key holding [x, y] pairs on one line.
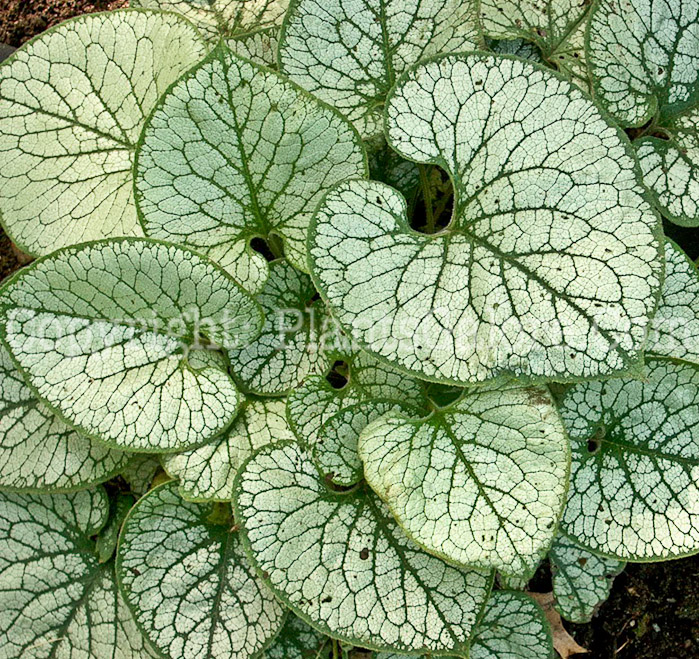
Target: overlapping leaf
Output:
{"points": [[207, 473], [56, 599], [72, 105], [289, 349], [297, 640], [106, 335], [234, 152], [349, 53], [38, 451], [582, 581], [550, 267], [482, 482], [359, 578], [644, 60], [188, 583]]}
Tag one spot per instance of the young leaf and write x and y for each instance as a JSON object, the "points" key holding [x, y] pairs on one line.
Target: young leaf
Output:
{"points": [[317, 399], [107, 541], [72, 105], [359, 579], [289, 348], [676, 322], [513, 627], [481, 483], [635, 464], [207, 473], [140, 472], [516, 47], [56, 599], [350, 53], [582, 581], [550, 267], [105, 334], [557, 27], [188, 583], [335, 451], [38, 451], [644, 60], [233, 152], [297, 640]]}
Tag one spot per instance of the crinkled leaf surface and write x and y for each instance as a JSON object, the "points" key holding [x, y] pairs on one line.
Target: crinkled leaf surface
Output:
{"points": [[482, 482], [335, 451], [582, 580], [340, 561], [72, 105], [234, 152], [317, 399], [557, 27], [56, 600], [676, 322], [644, 60], [189, 584], [104, 333], [513, 627], [550, 267], [139, 473], [634, 488], [297, 640], [349, 53], [289, 348], [38, 452], [207, 473]]}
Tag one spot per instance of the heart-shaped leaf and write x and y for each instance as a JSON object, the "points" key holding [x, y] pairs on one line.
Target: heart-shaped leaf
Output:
{"points": [[644, 60], [634, 482], [56, 599], [341, 562], [105, 334], [188, 583], [297, 640], [72, 105], [482, 482], [207, 473], [350, 53], [550, 267], [289, 348], [38, 452], [582, 580], [233, 152]]}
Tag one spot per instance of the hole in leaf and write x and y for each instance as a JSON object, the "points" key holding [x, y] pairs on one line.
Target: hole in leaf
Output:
{"points": [[364, 554], [272, 248], [593, 445], [337, 377]]}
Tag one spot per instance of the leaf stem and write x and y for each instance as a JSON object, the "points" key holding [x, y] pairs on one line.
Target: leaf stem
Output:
{"points": [[427, 198], [336, 650]]}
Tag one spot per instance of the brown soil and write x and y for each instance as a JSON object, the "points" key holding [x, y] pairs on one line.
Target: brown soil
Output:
{"points": [[653, 612]]}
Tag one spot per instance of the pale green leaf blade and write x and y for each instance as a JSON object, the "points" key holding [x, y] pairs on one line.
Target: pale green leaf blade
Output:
{"points": [[335, 451], [634, 485], [139, 473], [513, 627], [233, 152], [350, 53], [582, 580], [106, 334], [189, 584], [118, 510], [207, 473], [482, 482], [360, 578], [56, 600], [289, 348], [260, 46], [38, 451], [676, 323], [551, 265], [318, 399], [72, 105], [297, 640]]}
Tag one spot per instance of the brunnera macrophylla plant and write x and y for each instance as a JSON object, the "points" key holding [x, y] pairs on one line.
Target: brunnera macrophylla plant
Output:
{"points": [[344, 317]]}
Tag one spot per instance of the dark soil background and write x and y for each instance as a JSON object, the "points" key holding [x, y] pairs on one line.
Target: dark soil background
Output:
{"points": [[653, 612]]}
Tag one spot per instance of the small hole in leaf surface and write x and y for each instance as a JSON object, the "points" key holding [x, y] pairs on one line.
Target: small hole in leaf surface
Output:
{"points": [[337, 377]]}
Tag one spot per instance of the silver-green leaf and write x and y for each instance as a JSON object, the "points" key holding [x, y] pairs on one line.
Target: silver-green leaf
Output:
{"points": [[297, 640], [551, 265], [341, 562], [72, 105], [106, 334], [482, 482], [350, 52], [234, 152], [184, 576]]}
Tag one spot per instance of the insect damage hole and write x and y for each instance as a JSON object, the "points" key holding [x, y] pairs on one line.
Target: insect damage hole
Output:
{"points": [[338, 377]]}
